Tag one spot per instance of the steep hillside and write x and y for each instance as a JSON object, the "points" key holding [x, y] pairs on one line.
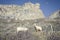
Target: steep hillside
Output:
{"points": [[26, 11], [55, 15]]}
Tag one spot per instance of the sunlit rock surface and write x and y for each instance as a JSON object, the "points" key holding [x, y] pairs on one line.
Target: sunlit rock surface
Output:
{"points": [[27, 11], [55, 15]]}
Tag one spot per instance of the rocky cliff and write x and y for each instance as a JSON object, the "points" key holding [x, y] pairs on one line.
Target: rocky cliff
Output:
{"points": [[27, 11], [55, 15]]}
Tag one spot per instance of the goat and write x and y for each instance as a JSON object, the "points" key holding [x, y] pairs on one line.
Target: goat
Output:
{"points": [[37, 28], [21, 29]]}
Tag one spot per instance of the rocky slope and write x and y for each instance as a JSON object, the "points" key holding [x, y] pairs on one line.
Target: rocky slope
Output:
{"points": [[13, 16], [24, 15], [55, 15], [27, 11]]}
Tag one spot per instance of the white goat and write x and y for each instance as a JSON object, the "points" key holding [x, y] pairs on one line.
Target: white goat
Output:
{"points": [[37, 28], [21, 29]]}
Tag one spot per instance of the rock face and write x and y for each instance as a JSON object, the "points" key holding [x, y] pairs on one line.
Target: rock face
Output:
{"points": [[25, 12], [55, 15]]}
